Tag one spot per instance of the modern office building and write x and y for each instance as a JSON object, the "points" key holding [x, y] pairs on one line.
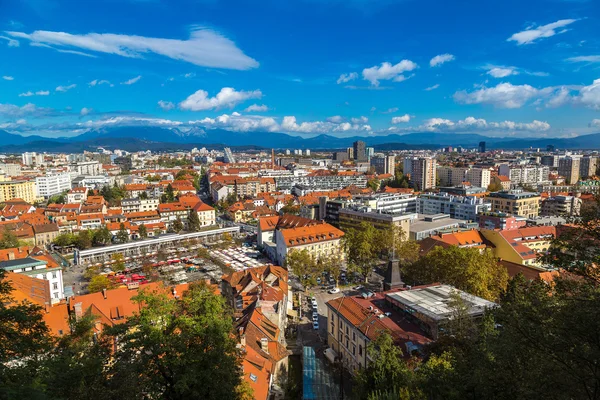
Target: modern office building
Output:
{"points": [[481, 147]]}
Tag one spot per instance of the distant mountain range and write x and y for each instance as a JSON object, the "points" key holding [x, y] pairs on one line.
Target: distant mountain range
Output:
{"points": [[170, 139]]}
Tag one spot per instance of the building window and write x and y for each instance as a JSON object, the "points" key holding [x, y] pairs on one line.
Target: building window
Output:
{"points": [[55, 286], [360, 350], [54, 275]]}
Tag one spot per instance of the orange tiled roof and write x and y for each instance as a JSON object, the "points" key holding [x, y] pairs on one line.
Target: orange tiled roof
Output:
{"points": [[310, 234]]}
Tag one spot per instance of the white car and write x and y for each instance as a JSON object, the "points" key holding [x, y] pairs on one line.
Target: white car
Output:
{"points": [[315, 316], [334, 290]]}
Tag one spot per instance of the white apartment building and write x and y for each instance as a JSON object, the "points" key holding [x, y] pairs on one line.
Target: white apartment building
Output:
{"points": [[525, 174], [455, 176], [458, 207], [139, 205], [77, 195], [86, 168], [38, 269], [389, 203], [52, 184], [10, 169], [30, 159]]}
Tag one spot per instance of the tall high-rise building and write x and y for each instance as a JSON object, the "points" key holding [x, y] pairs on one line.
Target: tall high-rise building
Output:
{"points": [[423, 174], [360, 150], [229, 158], [350, 152], [383, 164], [482, 147], [569, 168], [587, 166], [370, 153]]}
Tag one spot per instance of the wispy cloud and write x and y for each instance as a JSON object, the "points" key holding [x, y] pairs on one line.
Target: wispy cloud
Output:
{"points": [[345, 78], [99, 82], [441, 59], [132, 80], [587, 59], [430, 88], [166, 105], [38, 93], [257, 108], [11, 42], [532, 34], [66, 88], [401, 119], [205, 47], [8, 78]]}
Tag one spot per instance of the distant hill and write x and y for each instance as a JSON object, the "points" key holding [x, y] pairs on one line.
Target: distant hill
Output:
{"points": [[169, 139]]}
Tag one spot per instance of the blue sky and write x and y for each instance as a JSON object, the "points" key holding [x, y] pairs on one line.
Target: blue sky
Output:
{"points": [[304, 67]]}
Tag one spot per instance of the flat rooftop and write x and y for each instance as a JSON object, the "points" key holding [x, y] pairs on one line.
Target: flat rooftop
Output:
{"points": [[433, 222], [433, 301]]}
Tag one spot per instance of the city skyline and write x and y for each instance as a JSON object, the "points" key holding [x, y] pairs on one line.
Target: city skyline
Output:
{"points": [[343, 68]]}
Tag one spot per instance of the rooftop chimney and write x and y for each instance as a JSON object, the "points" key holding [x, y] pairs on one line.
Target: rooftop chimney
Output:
{"points": [[78, 311], [104, 293], [264, 345]]}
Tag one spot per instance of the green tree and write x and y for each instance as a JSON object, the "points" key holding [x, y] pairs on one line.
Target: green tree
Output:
{"points": [[290, 208], [494, 187], [374, 184], [122, 234], [170, 193], [101, 236], [143, 196], [143, 231], [119, 262], [179, 348], [24, 341], [9, 240], [98, 283], [303, 265], [84, 240], [177, 225], [388, 371], [77, 367], [193, 221], [467, 269], [364, 246], [65, 239]]}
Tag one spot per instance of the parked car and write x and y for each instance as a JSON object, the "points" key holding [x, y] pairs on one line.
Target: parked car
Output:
{"points": [[334, 290], [315, 316], [316, 325]]}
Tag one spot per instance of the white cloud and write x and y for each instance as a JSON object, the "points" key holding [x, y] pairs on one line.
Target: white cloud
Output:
{"points": [[132, 80], [66, 88], [344, 78], [360, 120], [503, 95], [441, 59], [390, 110], [257, 108], [205, 47], [13, 111], [373, 109], [8, 78], [38, 93], [588, 59], [336, 119], [85, 111], [403, 118], [242, 123], [166, 105], [589, 96], [502, 72], [98, 82], [430, 88], [595, 123], [189, 75], [226, 98], [530, 35], [479, 124], [387, 71], [11, 42]]}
